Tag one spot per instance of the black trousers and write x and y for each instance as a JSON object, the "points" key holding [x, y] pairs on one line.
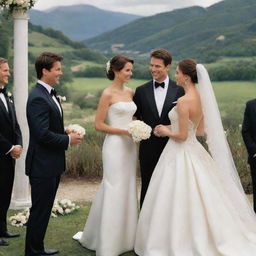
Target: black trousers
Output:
{"points": [[146, 170], [6, 185], [43, 192], [253, 175]]}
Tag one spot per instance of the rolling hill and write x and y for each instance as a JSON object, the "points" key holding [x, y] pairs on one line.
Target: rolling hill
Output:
{"points": [[224, 29], [80, 22]]}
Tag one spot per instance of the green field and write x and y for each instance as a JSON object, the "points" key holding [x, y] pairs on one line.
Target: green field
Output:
{"points": [[94, 85], [235, 92], [231, 96]]}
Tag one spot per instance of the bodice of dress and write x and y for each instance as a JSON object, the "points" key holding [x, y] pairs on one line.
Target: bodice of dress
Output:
{"points": [[174, 118], [120, 114]]}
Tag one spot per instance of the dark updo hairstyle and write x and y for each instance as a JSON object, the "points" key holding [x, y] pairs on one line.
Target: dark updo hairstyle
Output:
{"points": [[188, 67], [117, 63]]}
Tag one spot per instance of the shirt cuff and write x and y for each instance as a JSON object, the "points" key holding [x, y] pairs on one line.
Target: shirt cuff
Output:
{"points": [[9, 150], [69, 139]]}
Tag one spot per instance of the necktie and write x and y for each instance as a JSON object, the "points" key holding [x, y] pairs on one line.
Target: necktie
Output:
{"points": [[159, 84], [3, 91]]}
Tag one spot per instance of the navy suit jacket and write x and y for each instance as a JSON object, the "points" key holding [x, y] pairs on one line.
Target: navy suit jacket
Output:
{"points": [[48, 140]]}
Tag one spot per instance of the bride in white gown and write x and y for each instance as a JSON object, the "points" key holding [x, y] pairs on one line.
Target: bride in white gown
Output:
{"points": [[111, 225], [195, 204]]}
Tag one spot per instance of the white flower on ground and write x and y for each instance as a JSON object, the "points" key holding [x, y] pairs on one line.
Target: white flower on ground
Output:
{"points": [[67, 211]]}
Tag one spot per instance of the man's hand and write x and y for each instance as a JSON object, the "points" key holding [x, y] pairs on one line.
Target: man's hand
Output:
{"points": [[75, 138], [16, 151]]}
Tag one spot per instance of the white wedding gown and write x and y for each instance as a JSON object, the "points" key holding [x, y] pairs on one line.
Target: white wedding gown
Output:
{"points": [[187, 211], [111, 225]]}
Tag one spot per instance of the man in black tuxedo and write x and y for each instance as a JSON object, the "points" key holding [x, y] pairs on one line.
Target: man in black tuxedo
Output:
{"points": [[249, 136], [45, 160], [10, 149], [154, 100]]}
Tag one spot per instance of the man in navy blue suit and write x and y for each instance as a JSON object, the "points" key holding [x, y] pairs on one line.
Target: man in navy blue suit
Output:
{"points": [[45, 160], [10, 149]]}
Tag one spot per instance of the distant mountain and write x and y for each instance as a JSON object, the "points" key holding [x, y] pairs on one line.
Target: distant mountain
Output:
{"points": [[80, 22], [226, 28]]}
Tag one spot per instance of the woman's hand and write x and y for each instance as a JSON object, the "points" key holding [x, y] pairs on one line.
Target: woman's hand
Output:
{"points": [[125, 132], [162, 130]]}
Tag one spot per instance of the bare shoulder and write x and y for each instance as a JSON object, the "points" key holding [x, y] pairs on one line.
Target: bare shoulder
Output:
{"points": [[129, 91], [106, 94], [183, 104]]}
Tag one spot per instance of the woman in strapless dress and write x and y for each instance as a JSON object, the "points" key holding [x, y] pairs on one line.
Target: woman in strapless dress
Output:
{"points": [[111, 225]]}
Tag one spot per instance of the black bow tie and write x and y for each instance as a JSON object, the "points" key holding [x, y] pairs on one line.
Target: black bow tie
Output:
{"points": [[159, 84], [3, 91], [53, 92]]}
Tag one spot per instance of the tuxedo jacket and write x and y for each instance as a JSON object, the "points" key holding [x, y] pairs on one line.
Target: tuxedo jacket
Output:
{"points": [[249, 128], [147, 111], [48, 141], [10, 133]]}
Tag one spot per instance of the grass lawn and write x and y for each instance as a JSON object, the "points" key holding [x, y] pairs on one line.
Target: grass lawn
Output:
{"points": [[59, 236]]}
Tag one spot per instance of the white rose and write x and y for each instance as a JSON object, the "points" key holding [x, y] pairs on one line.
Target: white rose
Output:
{"points": [[53, 215], [67, 211], [60, 210]]}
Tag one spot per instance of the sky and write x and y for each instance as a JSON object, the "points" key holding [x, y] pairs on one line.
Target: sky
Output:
{"points": [[139, 7]]}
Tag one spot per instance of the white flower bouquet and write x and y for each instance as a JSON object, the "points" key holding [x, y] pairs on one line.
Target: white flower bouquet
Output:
{"points": [[139, 130], [63, 207], [17, 5], [75, 128], [20, 219]]}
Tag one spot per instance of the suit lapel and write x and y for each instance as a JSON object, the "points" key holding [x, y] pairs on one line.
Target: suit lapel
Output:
{"points": [[4, 111], [169, 99], [151, 99], [11, 112], [50, 99]]}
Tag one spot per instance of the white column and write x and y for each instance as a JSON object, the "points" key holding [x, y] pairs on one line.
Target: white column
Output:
{"points": [[21, 189]]}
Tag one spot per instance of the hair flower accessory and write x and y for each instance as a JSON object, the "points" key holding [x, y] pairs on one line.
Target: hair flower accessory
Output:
{"points": [[108, 66]]}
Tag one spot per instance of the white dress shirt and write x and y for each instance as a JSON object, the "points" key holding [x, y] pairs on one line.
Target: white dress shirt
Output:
{"points": [[3, 100], [49, 88], [160, 95]]}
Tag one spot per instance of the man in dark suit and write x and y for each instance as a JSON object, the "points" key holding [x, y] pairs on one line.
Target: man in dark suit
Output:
{"points": [[249, 136], [10, 149], [45, 160], [154, 100]]}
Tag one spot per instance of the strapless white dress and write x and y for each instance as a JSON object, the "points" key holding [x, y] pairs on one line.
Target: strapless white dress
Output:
{"points": [[187, 211], [111, 225]]}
